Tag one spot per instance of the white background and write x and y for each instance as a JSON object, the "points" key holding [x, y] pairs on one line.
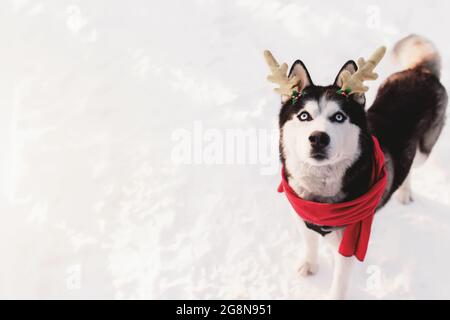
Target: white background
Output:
{"points": [[92, 205]]}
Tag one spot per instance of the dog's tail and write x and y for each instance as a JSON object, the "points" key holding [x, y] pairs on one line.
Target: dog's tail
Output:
{"points": [[415, 51]]}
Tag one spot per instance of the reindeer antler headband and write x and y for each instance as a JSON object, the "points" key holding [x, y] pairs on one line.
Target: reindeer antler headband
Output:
{"points": [[279, 76], [351, 83], [354, 83]]}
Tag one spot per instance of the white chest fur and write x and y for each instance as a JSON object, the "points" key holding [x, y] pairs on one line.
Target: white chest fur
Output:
{"points": [[317, 183]]}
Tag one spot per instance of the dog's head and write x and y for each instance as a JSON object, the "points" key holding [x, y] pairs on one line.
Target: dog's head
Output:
{"points": [[322, 126]]}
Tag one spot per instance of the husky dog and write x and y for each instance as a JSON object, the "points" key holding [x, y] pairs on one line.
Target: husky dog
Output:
{"points": [[326, 146]]}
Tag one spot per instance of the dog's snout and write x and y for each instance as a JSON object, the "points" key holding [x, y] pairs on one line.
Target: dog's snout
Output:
{"points": [[319, 139]]}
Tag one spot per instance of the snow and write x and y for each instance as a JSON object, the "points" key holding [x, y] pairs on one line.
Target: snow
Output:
{"points": [[122, 173]]}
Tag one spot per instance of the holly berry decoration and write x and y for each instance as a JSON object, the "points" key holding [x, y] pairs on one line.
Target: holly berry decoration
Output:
{"points": [[345, 92], [295, 96]]}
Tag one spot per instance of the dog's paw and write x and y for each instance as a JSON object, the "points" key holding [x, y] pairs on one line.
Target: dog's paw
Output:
{"points": [[307, 269], [335, 295], [404, 196]]}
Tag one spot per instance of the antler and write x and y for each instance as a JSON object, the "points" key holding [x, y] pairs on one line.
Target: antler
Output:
{"points": [[353, 83], [279, 76]]}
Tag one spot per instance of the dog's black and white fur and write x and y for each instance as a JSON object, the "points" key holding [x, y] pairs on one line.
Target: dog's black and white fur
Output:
{"points": [[326, 147]]}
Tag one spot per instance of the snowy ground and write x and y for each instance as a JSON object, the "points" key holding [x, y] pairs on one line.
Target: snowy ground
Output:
{"points": [[95, 199]]}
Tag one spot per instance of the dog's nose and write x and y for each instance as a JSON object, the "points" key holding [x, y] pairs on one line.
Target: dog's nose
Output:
{"points": [[319, 139]]}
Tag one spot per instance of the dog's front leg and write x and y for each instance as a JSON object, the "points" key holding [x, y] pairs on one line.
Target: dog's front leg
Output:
{"points": [[309, 265], [342, 267]]}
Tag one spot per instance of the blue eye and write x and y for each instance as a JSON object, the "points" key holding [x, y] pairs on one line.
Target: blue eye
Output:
{"points": [[304, 116], [338, 117]]}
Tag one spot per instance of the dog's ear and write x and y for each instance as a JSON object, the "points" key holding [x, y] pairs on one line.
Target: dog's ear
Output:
{"points": [[289, 85], [351, 67], [298, 69]]}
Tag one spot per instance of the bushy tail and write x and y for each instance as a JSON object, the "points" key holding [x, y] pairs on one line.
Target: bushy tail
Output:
{"points": [[415, 51]]}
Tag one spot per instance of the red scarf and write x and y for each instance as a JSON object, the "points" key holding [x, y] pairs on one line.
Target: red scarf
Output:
{"points": [[356, 215]]}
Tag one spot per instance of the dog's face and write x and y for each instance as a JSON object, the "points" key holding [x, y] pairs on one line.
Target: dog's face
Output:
{"points": [[322, 127]]}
